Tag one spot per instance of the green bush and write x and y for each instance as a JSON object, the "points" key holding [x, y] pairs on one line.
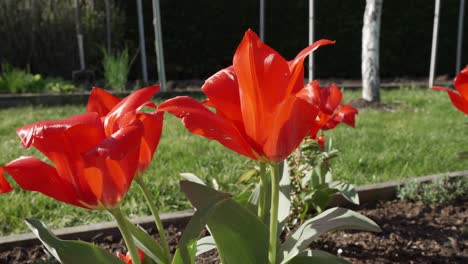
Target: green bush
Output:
{"points": [[116, 68], [58, 85], [14, 80], [440, 192]]}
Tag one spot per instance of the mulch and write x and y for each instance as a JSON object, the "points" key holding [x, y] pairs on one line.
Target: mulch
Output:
{"points": [[412, 233]]}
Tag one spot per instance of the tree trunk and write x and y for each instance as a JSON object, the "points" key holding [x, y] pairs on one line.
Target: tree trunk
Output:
{"points": [[370, 51]]}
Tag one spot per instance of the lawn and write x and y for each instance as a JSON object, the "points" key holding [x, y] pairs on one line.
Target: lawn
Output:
{"points": [[420, 135]]}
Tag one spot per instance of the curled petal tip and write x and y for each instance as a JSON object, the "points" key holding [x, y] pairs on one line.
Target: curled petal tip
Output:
{"points": [[5, 186]]}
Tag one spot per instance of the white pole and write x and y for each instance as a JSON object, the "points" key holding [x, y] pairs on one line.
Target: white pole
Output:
{"points": [[262, 20], [141, 32], [159, 45], [311, 38], [434, 42], [461, 15]]}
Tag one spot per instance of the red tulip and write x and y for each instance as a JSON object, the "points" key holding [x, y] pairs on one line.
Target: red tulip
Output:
{"points": [[263, 110], [95, 157], [331, 113], [459, 99], [128, 259], [112, 109]]}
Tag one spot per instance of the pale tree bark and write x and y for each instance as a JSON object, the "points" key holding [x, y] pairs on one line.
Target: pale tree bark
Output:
{"points": [[370, 51]]}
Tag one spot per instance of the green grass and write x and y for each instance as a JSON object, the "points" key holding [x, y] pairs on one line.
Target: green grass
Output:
{"points": [[421, 136]]}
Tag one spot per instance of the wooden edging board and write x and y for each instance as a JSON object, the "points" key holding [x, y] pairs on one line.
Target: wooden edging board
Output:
{"points": [[367, 194]]}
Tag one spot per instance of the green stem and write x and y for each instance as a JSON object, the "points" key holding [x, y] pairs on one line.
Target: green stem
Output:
{"points": [[275, 171], [262, 206], [154, 212], [127, 236]]}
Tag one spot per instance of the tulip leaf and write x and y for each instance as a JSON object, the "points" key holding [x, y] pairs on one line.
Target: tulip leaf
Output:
{"points": [[70, 252], [239, 235], [346, 190], [284, 204], [197, 224], [147, 244], [205, 244], [316, 256], [191, 248], [192, 177], [332, 219]]}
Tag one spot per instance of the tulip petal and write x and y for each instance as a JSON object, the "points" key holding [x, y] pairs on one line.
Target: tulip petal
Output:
{"points": [[296, 66], [263, 75], [222, 90], [461, 83], [201, 121], [128, 105], [153, 124], [331, 97], [101, 101], [33, 174], [293, 120], [4, 184], [457, 100], [41, 130]]}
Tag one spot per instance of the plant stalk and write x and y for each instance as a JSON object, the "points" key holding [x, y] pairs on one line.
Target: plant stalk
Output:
{"points": [[127, 236], [262, 202], [275, 171], [155, 213]]}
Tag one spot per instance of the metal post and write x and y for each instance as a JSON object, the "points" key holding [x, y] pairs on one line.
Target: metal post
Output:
{"points": [[262, 20], [311, 38], [434, 42], [79, 35], [159, 45], [141, 32], [108, 25], [461, 15]]}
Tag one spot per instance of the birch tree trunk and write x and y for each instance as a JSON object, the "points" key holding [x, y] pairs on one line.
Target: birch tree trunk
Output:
{"points": [[370, 51]]}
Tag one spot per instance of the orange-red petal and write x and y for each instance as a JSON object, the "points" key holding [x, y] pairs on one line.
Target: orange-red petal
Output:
{"points": [[457, 100], [461, 83], [128, 105], [263, 75], [101, 101], [35, 175], [4, 184], [152, 125], [201, 121], [222, 90]]}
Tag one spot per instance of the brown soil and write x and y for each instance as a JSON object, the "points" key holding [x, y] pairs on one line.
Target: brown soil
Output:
{"points": [[412, 233]]}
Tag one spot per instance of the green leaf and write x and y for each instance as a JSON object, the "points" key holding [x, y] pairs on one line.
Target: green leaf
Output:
{"points": [[70, 252], [192, 177], [284, 204], [147, 244], [332, 219], [199, 219], [239, 235], [316, 256], [320, 196], [347, 190], [205, 244], [249, 174], [192, 248]]}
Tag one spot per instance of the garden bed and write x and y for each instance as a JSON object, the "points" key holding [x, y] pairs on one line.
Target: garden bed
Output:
{"points": [[412, 233]]}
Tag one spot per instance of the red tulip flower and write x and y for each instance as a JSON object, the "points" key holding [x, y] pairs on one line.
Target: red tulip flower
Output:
{"points": [[459, 98], [263, 110], [95, 157], [128, 260], [112, 109], [331, 112]]}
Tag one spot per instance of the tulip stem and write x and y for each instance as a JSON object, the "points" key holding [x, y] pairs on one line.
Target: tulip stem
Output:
{"points": [[150, 201], [262, 202], [126, 235], [275, 171]]}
